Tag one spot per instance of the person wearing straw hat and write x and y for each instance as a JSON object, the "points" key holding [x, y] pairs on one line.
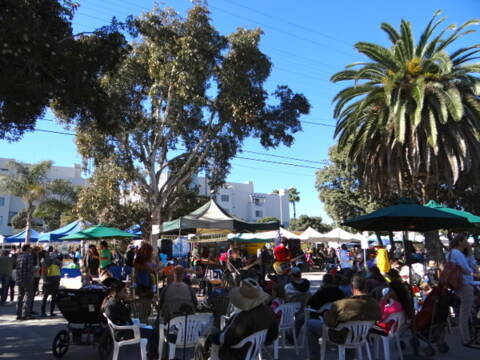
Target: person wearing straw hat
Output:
{"points": [[253, 316]]}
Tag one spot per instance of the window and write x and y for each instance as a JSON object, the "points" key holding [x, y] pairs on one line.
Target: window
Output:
{"points": [[224, 198], [3, 169], [258, 202], [11, 214], [258, 214], [2, 201]]}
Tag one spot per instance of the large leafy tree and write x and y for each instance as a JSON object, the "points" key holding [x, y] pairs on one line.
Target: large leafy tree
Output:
{"points": [[342, 190], [186, 98], [43, 63], [411, 120], [305, 221], [293, 198], [30, 183]]}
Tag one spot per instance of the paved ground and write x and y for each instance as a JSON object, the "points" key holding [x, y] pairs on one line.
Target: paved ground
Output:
{"points": [[32, 340]]}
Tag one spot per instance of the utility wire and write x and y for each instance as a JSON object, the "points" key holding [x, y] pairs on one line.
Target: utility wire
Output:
{"points": [[236, 157]]}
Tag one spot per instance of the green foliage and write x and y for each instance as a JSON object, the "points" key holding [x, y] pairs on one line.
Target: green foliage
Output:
{"points": [[268, 219], [411, 119], [105, 200], [59, 204], [342, 191], [184, 101], [305, 221], [43, 63]]}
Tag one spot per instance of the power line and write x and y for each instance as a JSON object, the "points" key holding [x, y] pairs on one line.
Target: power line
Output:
{"points": [[325, 162], [289, 22]]}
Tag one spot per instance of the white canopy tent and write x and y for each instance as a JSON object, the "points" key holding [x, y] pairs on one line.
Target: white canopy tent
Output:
{"points": [[312, 235], [339, 236], [266, 236]]}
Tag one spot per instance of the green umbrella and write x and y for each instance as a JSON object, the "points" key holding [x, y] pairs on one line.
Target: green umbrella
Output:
{"points": [[473, 219], [98, 232], [405, 215]]}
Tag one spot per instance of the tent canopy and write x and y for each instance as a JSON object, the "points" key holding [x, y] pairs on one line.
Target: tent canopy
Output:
{"points": [[267, 236], [212, 216], [68, 229], [20, 237], [341, 236], [98, 232], [311, 234]]}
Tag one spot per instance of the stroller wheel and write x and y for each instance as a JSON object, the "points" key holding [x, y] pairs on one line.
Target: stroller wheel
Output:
{"points": [[105, 345], [60, 344], [443, 348]]}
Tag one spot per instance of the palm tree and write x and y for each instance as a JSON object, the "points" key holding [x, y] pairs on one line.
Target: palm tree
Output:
{"points": [[412, 117], [30, 184], [293, 197]]}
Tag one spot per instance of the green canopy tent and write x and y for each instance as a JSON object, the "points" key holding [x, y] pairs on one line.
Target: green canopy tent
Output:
{"points": [[474, 220], [212, 216], [98, 232]]}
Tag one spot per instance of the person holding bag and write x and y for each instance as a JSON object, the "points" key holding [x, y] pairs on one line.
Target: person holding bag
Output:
{"points": [[463, 288]]}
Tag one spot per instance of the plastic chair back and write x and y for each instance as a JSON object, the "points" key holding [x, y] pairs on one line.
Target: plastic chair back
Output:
{"points": [[399, 319], [357, 332], [192, 329], [288, 310], [256, 340]]}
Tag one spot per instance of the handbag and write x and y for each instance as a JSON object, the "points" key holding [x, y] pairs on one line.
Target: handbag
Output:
{"points": [[451, 276]]}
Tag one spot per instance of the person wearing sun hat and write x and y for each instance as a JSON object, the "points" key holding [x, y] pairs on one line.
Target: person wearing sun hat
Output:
{"points": [[253, 316]]}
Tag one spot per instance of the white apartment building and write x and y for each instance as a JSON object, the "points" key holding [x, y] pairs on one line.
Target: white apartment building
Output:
{"points": [[11, 205], [241, 200]]}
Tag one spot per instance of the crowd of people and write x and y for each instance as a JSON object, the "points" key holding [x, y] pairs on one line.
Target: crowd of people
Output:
{"points": [[354, 288]]}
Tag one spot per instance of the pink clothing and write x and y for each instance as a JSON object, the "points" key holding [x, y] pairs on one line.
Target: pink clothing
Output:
{"points": [[275, 304], [387, 309]]}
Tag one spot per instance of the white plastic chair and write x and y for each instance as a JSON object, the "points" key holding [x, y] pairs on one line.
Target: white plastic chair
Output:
{"points": [[187, 334], [308, 312], [356, 339], [135, 340], [256, 340], [393, 334], [287, 321]]}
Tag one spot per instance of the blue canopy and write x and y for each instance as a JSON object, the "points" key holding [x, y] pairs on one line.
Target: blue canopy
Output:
{"points": [[68, 229], [20, 237], [135, 230]]}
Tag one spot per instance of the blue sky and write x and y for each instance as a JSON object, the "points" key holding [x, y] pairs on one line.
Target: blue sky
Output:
{"points": [[307, 42]]}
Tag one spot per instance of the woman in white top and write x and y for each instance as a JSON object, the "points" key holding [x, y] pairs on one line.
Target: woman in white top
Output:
{"points": [[465, 293]]}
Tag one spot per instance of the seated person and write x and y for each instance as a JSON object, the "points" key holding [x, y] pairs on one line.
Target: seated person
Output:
{"points": [[278, 295], [177, 295], [254, 316], [296, 284], [345, 283], [375, 279], [114, 306], [328, 293], [359, 307]]}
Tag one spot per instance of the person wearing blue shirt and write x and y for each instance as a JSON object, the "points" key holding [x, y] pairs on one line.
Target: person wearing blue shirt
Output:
{"points": [[457, 256]]}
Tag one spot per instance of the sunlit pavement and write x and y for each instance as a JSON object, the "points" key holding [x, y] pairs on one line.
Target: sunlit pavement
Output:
{"points": [[32, 339]]}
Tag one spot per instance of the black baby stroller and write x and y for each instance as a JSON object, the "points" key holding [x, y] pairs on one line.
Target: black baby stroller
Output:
{"points": [[431, 321], [86, 324]]}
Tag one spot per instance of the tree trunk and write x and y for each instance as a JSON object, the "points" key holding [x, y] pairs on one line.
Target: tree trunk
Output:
{"points": [[434, 246], [392, 245], [294, 211], [29, 224], [156, 224]]}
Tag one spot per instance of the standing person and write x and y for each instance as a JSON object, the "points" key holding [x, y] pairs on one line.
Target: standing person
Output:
{"points": [[382, 260], [6, 266], [129, 259], [465, 292], [345, 259], [144, 280], [92, 260], [105, 255], [51, 284], [24, 283], [13, 279]]}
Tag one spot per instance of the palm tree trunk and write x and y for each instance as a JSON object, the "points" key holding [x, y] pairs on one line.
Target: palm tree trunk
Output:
{"points": [[294, 210], [433, 245]]}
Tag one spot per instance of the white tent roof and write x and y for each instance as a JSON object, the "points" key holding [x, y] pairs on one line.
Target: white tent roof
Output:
{"points": [[267, 235], [340, 235], [311, 234]]}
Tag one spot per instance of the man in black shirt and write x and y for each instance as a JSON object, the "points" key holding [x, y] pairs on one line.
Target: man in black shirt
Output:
{"points": [[327, 294]]}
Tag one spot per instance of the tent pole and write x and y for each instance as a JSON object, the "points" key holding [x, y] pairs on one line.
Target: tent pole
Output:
{"points": [[407, 256]]}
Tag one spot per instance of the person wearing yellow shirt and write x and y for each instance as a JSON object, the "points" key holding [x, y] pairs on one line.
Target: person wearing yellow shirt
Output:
{"points": [[382, 260]]}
